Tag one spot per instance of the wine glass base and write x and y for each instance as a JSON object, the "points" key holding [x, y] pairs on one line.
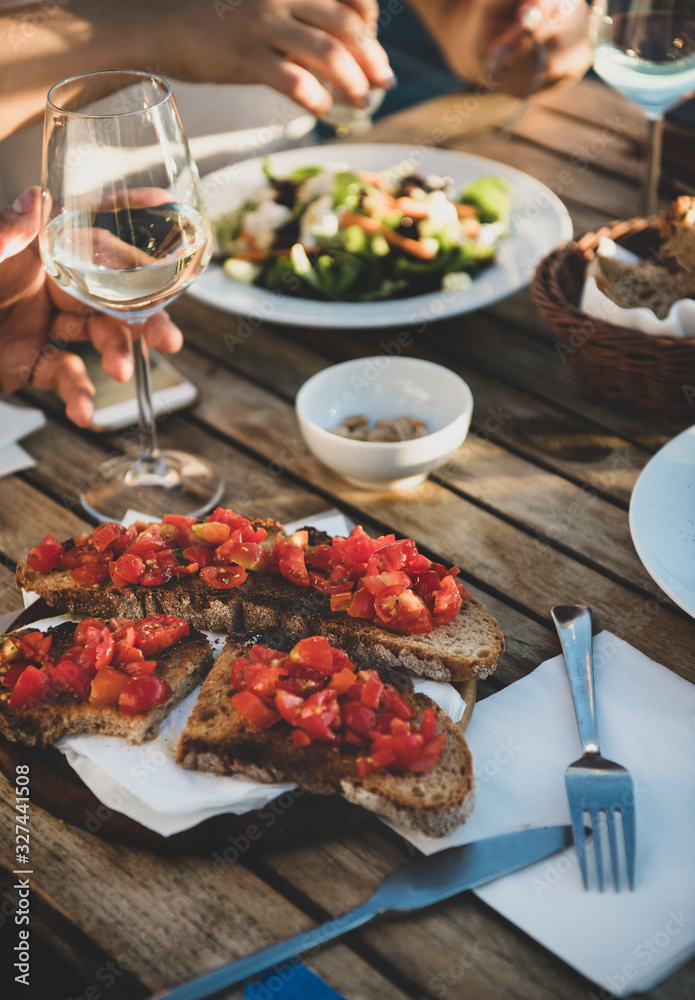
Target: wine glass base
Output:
{"points": [[174, 483]]}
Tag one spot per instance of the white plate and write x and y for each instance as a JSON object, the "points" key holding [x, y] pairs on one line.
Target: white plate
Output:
{"points": [[539, 222], [662, 519]]}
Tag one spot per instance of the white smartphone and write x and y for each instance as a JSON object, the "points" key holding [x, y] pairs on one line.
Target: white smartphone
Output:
{"points": [[115, 404]]}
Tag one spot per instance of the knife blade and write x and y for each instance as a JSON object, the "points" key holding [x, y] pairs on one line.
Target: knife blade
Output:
{"points": [[421, 884]]}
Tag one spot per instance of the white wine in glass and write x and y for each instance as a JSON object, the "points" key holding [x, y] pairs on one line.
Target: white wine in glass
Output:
{"points": [[646, 50], [124, 229]]}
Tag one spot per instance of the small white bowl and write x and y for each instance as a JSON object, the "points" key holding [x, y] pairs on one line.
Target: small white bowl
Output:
{"points": [[385, 386]]}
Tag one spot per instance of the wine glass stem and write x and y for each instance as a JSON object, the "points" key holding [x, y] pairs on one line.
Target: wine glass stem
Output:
{"points": [[149, 452], [655, 131]]}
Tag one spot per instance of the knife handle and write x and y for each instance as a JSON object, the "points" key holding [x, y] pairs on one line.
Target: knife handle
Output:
{"points": [[211, 983], [573, 624]]}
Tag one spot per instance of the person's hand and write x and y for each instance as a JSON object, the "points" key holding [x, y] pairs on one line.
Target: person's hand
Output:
{"points": [[560, 27], [495, 42], [33, 307], [281, 43]]}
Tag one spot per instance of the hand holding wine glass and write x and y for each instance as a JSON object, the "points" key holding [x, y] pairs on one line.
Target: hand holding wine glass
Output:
{"points": [[124, 230], [646, 50]]}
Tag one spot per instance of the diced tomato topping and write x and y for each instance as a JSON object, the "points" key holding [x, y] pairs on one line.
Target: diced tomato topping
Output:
{"points": [[431, 754], [158, 632], [319, 714], [200, 554], [106, 687], [89, 630], [398, 704], [32, 689], [129, 567], [74, 677], [250, 707], [223, 577], [11, 676], [212, 532], [447, 602], [406, 749], [250, 555], [372, 690], [315, 652], [35, 646], [362, 604], [265, 683], [318, 693], [46, 556], [343, 680], [375, 762], [392, 556], [359, 717], [319, 558], [341, 602], [155, 538], [124, 640], [404, 612], [134, 668], [140, 694], [160, 568], [428, 725], [104, 536], [291, 563], [289, 706], [229, 517], [184, 529], [91, 573]]}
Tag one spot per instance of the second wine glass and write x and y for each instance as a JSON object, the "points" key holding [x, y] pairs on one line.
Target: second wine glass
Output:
{"points": [[124, 229], [646, 50]]}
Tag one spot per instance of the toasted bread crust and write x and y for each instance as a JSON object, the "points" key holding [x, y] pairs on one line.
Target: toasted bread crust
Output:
{"points": [[219, 740], [183, 666]]}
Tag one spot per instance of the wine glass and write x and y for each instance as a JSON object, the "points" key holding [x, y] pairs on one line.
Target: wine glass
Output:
{"points": [[646, 50], [124, 229]]}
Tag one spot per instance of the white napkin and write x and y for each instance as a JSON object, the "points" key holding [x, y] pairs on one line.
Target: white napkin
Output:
{"points": [[522, 739], [680, 321], [16, 422], [145, 783]]}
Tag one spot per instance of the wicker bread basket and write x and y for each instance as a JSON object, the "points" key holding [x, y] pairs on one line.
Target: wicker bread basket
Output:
{"points": [[625, 365]]}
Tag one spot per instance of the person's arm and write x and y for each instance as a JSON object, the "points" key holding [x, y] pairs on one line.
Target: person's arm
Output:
{"points": [[276, 42], [471, 34]]}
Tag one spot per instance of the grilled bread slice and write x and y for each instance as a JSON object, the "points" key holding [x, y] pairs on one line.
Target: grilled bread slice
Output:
{"points": [[183, 666], [466, 648], [192, 599], [267, 605], [219, 740]]}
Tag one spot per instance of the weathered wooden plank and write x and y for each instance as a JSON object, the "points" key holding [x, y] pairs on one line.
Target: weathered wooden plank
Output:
{"points": [[167, 919], [10, 597], [27, 515]]}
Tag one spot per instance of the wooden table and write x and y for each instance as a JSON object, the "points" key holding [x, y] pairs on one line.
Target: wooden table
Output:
{"points": [[534, 508]]}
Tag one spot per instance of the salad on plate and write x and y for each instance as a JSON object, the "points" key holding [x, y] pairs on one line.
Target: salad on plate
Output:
{"points": [[336, 234]]}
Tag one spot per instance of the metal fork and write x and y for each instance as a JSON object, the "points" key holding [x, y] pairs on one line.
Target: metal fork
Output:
{"points": [[594, 784]]}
